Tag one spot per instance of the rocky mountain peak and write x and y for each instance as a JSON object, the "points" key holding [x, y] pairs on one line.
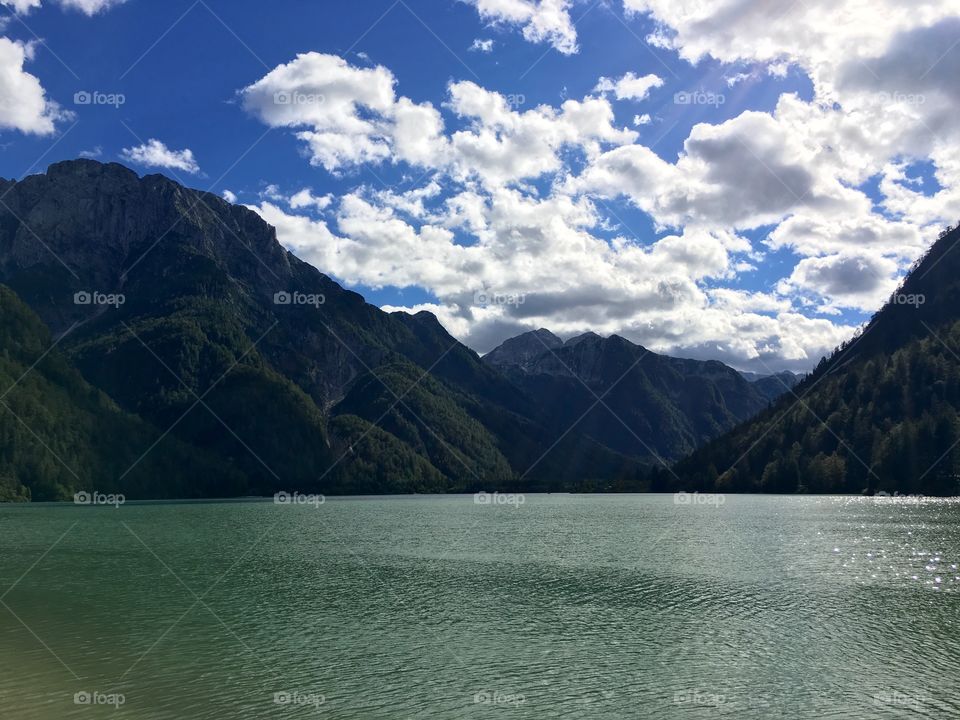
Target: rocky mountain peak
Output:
{"points": [[523, 350]]}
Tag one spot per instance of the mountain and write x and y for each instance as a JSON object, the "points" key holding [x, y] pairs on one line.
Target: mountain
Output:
{"points": [[774, 385], [881, 414], [632, 400], [56, 428], [201, 332], [521, 352]]}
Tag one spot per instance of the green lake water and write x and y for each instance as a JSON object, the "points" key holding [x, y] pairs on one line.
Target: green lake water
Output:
{"points": [[437, 607]]}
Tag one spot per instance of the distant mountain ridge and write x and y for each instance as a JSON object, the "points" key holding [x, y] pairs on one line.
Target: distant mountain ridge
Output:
{"points": [[657, 408], [774, 385]]}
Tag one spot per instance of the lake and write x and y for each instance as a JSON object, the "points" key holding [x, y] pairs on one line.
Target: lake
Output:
{"points": [[544, 606]]}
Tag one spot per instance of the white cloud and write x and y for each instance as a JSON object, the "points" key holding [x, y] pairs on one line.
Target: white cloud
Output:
{"points": [[817, 34], [24, 104], [482, 45], [342, 111], [850, 280], [541, 20], [21, 6], [543, 250], [349, 116], [154, 153], [89, 7], [480, 224], [746, 172], [229, 196], [629, 87], [502, 145], [306, 199]]}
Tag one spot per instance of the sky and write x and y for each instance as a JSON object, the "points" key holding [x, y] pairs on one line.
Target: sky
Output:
{"points": [[733, 180]]}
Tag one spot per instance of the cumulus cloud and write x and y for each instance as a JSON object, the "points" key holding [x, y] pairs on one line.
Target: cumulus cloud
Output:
{"points": [[629, 87], [154, 153], [535, 262], [341, 111], [348, 116], [541, 21], [24, 104], [514, 229], [815, 34], [306, 199], [844, 280], [21, 6], [89, 7]]}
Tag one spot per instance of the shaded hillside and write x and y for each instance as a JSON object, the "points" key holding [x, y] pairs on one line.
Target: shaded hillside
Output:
{"points": [[59, 435], [652, 405], [194, 320], [880, 414]]}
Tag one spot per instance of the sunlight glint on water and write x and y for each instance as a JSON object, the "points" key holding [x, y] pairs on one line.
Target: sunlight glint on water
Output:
{"points": [[564, 606]]}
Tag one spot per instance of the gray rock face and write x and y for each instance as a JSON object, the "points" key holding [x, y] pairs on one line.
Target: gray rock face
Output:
{"points": [[88, 226], [523, 351]]}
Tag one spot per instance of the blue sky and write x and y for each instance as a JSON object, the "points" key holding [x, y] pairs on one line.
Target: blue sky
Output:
{"points": [[725, 289]]}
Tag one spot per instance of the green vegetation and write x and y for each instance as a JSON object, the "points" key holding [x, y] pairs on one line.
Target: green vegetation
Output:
{"points": [[59, 435], [880, 415]]}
